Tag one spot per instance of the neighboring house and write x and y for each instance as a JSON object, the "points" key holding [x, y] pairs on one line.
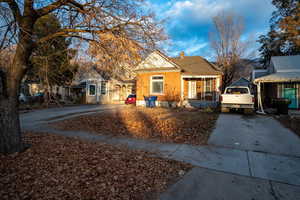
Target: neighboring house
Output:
{"points": [[241, 82], [33, 88], [184, 79], [280, 80], [91, 88], [244, 68]]}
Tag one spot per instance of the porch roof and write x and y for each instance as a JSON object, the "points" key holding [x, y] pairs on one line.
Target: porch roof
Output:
{"points": [[279, 77]]}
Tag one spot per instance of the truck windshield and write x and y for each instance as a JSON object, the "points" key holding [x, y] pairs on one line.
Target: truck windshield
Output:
{"points": [[237, 91]]}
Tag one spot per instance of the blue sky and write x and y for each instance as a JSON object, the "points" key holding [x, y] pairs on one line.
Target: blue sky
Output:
{"points": [[188, 22]]}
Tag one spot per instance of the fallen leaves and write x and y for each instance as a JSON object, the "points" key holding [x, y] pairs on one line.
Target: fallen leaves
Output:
{"points": [[57, 167], [165, 125]]}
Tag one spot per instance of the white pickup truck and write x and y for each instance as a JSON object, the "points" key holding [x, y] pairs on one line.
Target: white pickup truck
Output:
{"points": [[237, 97]]}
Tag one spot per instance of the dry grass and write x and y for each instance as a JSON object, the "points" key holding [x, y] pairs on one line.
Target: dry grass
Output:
{"points": [[57, 167], [160, 124]]}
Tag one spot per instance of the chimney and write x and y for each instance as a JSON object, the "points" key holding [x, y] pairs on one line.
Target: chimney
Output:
{"points": [[181, 55]]}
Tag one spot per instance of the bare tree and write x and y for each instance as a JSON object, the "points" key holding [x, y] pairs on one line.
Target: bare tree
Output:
{"points": [[85, 20], [226, 43]]}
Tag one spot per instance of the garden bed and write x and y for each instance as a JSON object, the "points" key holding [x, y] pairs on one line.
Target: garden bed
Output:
{"points": [[159, 124], [57, 167]]}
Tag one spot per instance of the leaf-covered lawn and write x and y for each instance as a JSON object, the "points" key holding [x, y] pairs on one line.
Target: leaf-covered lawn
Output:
{"points": [[165, 125], [57, 167]]}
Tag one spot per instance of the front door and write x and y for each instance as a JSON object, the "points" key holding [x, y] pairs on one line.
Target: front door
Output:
{"points": [[290, 93], [192, 90]]}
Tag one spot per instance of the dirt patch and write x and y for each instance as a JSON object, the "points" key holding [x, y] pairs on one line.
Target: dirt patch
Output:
{"points": [[291, 122], [57, 167], [160, 124]]}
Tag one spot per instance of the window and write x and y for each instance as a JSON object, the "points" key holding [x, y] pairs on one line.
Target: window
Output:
{"points": [[157, 84], [237, 91], [208, 85], [92, 90], [103, 88]]}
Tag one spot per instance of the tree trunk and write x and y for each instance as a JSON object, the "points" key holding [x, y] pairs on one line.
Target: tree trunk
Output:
{"points": [[10, 78], [10, 134]]}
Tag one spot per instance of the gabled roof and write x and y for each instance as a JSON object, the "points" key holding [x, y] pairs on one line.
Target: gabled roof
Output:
{"points": [[157, 61], [188, 65], [196, 65], [286, 63], [86, 73], [241, 82]]}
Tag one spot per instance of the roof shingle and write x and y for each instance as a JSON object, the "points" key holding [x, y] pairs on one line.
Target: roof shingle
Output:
{"points": [[196, 65]]}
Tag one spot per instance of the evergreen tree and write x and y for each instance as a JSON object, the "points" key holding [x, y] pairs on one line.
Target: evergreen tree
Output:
{"points": [[51, 60], [283, 37]]}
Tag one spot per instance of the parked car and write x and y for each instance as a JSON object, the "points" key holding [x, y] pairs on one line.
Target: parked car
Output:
{"points": [[237, 97], [39, 94], [22, 98], [131, 99]]}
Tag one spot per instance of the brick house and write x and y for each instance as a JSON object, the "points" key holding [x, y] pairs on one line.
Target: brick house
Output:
{"points": [[182, 80]]}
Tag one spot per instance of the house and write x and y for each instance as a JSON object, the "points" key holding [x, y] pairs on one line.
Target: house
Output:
{"points": [[90, 87], [244, 68], [241, 82], [185, 79], [280, 80]]}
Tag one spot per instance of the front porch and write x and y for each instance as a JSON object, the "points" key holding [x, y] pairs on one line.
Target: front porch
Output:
{"points": [[201, 89]]}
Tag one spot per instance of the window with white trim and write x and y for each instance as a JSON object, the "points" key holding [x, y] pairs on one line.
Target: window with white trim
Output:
{"points": [[103, 88], [92, 90], [157, 85], [208, 85]]}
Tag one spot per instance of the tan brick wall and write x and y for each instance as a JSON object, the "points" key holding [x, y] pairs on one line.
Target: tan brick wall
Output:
{"points": [[186, 89], [171, 85]]}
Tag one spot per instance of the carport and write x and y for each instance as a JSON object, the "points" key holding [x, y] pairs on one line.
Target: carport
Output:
{"points": [[278, 85]]}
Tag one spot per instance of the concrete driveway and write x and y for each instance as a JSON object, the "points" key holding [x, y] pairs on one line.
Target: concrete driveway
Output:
{"points": [[248, 157], [256, 133]]}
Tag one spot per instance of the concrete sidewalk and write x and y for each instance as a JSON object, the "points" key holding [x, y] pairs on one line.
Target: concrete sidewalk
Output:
{"points": [[279, 168], [207, 184], [229, 174]]}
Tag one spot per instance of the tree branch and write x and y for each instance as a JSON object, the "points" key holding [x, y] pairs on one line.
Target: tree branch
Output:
{"points": [[56, 5], [14, 8], [65, 32]]}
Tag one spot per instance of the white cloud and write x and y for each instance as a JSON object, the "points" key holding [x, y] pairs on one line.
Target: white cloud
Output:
{"points": [[200, 10], [203, 10], [191, 47], [189, 21]]}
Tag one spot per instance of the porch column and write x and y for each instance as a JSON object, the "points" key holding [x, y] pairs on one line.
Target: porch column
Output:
{"points": [[181, 88], [218, 89], [259, 101]]}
